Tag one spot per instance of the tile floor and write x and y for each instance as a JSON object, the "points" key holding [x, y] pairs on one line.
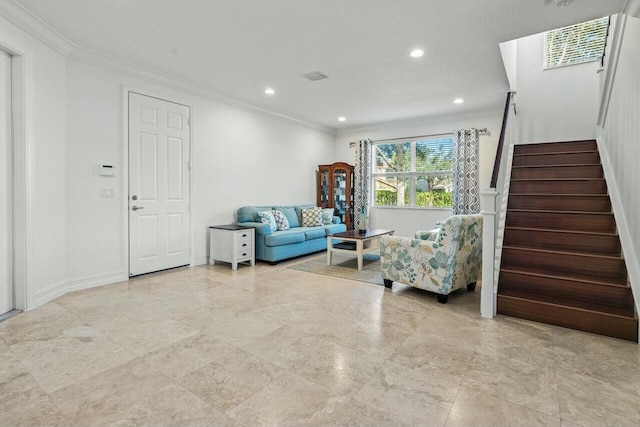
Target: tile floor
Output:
{"points": [[272, 346]]}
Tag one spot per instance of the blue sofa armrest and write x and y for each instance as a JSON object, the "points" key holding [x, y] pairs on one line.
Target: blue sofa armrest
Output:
{"points": [[260, 227]]}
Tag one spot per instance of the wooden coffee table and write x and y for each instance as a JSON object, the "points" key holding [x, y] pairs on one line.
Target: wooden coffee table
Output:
{"points": [[355, 241]]}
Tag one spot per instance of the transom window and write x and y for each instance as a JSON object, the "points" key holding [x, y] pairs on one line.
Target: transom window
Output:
{"points": [[575, 44], [413, 173]]}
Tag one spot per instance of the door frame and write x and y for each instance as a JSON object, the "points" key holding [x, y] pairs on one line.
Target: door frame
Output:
{"points": [[124, 188], [22, 88]]}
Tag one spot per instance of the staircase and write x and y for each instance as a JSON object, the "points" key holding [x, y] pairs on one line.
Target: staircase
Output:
{"points": [[561, 258]]}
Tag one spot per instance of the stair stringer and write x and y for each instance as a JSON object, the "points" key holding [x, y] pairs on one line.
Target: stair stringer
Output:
{"points": [[628, 252]]}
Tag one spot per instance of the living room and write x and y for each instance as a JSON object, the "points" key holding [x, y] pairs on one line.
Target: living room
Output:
{"points": [[264, 151]]}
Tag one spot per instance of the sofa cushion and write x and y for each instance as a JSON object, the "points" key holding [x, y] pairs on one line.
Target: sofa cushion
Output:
{"points": [[311, 233], [281, 220], [266, 217], [289, 213], [250, 213], [334, 228], [298, 210], [285, 237], [327, 215], [311, 217]]}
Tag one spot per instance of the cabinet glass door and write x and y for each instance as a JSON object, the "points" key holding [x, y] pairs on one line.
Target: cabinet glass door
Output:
{"points": [[340, 202], [324, 189]]}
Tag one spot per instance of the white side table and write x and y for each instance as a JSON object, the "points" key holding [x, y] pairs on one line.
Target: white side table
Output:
{"points": [[231, 243]]}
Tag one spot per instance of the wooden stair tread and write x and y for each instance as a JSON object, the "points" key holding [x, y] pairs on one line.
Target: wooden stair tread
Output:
{"points": [[559, 195], [555, 179], [568, 277], [554, 166], [549, 251], [551, 230], [575, 305], [537, 211], [545, 143], [555, 153]]}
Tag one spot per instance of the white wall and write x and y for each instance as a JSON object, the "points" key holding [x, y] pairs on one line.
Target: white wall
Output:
{"points": [[45, 93], [559, 104], [240, 158], [620, 149], [509, 53], [406, 221]]}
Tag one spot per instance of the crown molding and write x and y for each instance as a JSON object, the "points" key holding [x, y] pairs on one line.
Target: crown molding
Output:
{"points": [[100, 60], [24, 19], [419, 121]]}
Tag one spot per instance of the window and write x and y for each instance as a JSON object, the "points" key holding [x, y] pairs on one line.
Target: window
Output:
{"points": [[575, 44], [414, 173]]}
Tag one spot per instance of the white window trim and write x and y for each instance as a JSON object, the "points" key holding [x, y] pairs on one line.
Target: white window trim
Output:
{"points": [[411, 174]]}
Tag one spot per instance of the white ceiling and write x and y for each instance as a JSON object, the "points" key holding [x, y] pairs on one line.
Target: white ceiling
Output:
{"points": [[237, 48]]}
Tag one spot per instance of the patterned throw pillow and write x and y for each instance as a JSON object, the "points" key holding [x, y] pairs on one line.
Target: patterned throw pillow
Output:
{"points": [[311, 217], [281, 220], [327, 216], [266, 217]]}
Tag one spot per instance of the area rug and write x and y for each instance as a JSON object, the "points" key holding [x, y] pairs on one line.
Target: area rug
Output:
{"points": [[344, 266]]}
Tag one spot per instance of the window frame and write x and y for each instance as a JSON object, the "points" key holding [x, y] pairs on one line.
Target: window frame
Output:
{"points": [[545, 45], [412, 174]]}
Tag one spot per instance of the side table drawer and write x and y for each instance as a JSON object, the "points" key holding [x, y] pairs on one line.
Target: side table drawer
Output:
{"points": [[244, 250], [244, 255], [244, 245], [244, 236]]}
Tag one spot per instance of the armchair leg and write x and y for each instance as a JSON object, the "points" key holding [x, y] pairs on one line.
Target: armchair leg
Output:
{"points": [[387, 283], [442, 299], [471, 287]]}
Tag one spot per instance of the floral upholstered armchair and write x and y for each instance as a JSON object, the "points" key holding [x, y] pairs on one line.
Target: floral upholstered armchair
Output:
{"points": [[440, 261]]}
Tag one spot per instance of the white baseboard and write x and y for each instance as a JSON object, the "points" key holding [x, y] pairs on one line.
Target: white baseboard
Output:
{"points": [[628, 249], [200, 260], [60, 288]]}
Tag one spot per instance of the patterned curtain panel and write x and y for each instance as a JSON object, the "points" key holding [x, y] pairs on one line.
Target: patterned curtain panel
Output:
{"points": [[362, 182], [466, 198]]}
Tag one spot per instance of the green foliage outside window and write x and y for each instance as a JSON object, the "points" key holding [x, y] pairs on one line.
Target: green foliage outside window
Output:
{"points": [[437, 199]]}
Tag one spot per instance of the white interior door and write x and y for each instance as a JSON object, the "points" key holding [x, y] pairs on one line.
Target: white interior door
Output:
{"points": [[159, 217], [6, 187]]}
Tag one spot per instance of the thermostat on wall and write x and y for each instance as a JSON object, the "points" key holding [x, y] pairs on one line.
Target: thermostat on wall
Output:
{"points": [[107, 170]]}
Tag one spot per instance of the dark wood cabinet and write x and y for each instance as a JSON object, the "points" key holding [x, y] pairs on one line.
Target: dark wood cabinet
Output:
{"points": [[335, 190]]}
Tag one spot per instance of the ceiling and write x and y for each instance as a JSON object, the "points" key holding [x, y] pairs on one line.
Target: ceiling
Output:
{"points": [[237, 48]]}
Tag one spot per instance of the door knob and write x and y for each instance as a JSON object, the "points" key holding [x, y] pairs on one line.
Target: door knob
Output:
{"points": [[135, 208], [134, 197]]}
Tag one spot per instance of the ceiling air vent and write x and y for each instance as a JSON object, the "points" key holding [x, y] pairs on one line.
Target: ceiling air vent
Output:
{"points": [[315, 76]]}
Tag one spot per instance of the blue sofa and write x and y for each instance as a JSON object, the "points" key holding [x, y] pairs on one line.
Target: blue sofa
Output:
{"points": [[279, 245]]}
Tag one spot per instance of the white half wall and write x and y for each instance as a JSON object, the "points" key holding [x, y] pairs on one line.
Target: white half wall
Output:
{"points": [[239, 158], [559, 104], [45, 113], [619, 145], [406, 221]]}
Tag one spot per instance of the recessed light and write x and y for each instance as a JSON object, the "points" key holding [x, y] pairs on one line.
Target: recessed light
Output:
{"points": [[458, 101], [342, 119], [416, 53], [269, 91]]}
